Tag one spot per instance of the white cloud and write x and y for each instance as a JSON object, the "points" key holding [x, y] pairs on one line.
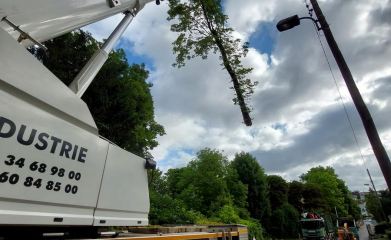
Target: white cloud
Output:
{"points": [[299, 121]]}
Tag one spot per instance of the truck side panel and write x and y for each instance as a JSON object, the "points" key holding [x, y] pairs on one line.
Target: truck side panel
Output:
{"points": [[124, 196], [50, 167]]}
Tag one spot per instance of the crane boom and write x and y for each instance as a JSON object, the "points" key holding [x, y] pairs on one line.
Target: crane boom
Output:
{"points": [[46, 19]]}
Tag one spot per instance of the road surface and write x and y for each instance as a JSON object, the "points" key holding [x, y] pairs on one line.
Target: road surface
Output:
{"points": [[363, 232]]}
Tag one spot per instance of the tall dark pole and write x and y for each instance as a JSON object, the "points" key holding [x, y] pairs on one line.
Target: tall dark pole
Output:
{"points": [[369, 125]]}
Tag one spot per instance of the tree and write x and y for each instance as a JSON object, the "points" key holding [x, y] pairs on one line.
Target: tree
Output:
{"points": [[385, 199], [314, 200], [174, 176], [328, 181], [372, 205], [236, 188], [284, 223], [166, 210], [119, 98], [295, 195], [252, 174], [157, 181], [202, 28], [350, 204], [204, 183], [278, 193]]}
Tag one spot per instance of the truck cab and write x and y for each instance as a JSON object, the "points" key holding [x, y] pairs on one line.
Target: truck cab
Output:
{"points": [[313, 229]]}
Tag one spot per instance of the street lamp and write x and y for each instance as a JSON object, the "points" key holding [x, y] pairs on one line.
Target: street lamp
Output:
{"points": [[366, 118], [291, 22]]}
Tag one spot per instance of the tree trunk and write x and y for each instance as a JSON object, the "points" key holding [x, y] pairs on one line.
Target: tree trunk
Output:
{"points": [[246, 116], [243, 108]]}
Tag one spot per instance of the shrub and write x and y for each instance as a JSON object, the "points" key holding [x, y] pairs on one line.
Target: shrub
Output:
{"points": [[227, 214], [284, 223], [230, 215], [388, 234], [255, 230], [165, 210], [381, 227]]}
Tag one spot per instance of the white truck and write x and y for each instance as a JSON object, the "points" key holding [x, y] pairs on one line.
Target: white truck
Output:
{"points": [[55, 169]]}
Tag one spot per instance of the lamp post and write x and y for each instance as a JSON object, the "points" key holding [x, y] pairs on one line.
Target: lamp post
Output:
{"points": [[369, 125]]}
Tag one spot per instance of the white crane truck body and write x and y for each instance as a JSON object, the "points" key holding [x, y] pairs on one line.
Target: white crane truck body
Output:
{"points": [[55, 170]]}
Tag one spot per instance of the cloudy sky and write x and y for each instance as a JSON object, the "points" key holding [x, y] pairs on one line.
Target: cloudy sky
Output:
{"points": [[299, 121]]}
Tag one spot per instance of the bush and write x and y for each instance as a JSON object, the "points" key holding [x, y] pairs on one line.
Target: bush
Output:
{"points": [[284, 223], [207, 221], [381, 227], [227, 215], [388, 234], [230, 215], [165, 210], [255, 230]]}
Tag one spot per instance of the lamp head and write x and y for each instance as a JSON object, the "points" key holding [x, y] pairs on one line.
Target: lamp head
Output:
{"points": [[288, 23]]}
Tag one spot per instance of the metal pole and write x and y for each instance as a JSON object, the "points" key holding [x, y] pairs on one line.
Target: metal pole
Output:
{"points": [[80, 84], [369, 125], [26, 35]]}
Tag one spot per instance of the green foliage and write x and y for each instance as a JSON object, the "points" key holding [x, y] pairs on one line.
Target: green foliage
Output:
{"points": [[278, 193], [330, 186], [350, 204], [372, 205], [381, 227], [202, 28], [284, 223], [250, 173], [314, 200], [255, 230], [157, 181], [385, 199], [165, 210], [119, 98], [295, 195], [388, 234], [236, 188], [203, 183], [227, 215], [173, 178]]}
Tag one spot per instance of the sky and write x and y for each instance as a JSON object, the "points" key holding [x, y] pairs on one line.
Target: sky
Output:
{"points": [[299, 121]]}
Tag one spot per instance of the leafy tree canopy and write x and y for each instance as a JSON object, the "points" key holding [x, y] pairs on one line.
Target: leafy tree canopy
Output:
{"points": [[295, 195], [204, 183], [328, 181], [252, 174], [119, 98], [284, 223], [278, 193], [203, 28], [314, 200]]}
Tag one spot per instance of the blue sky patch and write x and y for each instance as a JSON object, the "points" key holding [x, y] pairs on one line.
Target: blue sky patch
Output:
{"points": [[133, 57], [263, 39]]}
